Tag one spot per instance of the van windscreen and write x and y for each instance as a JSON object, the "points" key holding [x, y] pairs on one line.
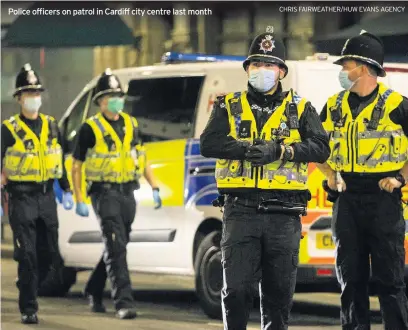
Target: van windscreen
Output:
{"points": [[164, 107]]}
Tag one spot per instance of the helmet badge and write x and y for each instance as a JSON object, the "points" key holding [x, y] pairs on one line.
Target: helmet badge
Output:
{"points": [[31, 78], [267, 44], [113, 83]]}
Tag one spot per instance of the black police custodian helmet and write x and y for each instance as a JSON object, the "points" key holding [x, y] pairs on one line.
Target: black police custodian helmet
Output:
{"points": [[27, 80], [365, 48], [267, 48], [108, 83]]}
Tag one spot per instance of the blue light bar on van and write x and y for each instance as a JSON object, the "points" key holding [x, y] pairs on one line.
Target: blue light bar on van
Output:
{"points": [[173, 57]]}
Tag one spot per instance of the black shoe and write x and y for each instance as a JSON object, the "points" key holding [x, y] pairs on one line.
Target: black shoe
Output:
{"points": [[126, 313], [29, 318], [96, 303]]}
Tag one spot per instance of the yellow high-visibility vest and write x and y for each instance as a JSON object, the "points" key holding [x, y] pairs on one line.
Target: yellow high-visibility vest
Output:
{"points": [[370, 143], [113, 160], [232, 174], [32, 158]]}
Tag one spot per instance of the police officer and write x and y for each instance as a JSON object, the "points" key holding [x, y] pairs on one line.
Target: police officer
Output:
{"points": [[33, 159], [367, 123], [109, 146], [263, 139]]}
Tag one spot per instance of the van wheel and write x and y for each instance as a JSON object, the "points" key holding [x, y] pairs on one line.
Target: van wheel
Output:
{"points": [[209, 275], [58, 286]]}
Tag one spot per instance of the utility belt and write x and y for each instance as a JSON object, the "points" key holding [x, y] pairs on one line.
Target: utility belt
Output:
{"points": [[333, 195], [263, 205], [15, 187], [124, 188]]}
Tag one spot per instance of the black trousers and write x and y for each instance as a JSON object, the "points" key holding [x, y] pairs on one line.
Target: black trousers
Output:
{"points": [[34, 222], [254, 243], [44, 260], [116, 212], [367, 225]]}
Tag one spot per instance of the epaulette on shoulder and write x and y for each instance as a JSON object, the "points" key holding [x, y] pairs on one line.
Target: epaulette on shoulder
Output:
{"points": [[92, 118], [220, 100], [221, 97], [50, 118], [11, 119], [296, 97]]}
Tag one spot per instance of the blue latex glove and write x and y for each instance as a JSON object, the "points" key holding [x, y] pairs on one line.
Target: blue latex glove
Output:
{"points": [[67, 200], [82, 209], [156, 198]]}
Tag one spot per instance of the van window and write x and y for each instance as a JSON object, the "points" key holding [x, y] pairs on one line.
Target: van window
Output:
{"points": [[93, 109], [75, 118], [164, 107]]}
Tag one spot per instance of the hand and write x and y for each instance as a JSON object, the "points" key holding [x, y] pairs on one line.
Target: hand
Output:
{"points": [[258, 142], [334, 184], [263, 154], [67, 200], [82, 209], [389, 184], [156, 198], [3, 179], [332, 195]]}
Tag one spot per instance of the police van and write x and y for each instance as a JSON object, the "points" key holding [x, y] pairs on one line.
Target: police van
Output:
{"points": [[179, 244]]}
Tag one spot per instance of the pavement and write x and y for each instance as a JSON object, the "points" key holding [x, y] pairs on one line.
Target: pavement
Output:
{"points": [[158, 309]]}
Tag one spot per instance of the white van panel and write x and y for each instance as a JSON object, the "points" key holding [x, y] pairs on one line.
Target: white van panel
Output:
{"points": [[398, 81], [317, 82]]}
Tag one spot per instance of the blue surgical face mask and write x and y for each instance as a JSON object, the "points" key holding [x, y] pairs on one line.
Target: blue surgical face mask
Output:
{"points": [[32, 104], [115, 104], [262, 79], [345, 81]]}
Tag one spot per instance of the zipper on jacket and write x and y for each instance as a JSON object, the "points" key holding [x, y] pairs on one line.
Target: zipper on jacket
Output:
{"points": [[256, 167], [355, 135], [41, 152], [351, 143], [42, 162], [348, 143]]}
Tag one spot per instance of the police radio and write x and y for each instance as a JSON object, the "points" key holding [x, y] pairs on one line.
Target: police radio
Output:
{"points": [[376, 115], [53, 131], [292, 113], [335, 115]]}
